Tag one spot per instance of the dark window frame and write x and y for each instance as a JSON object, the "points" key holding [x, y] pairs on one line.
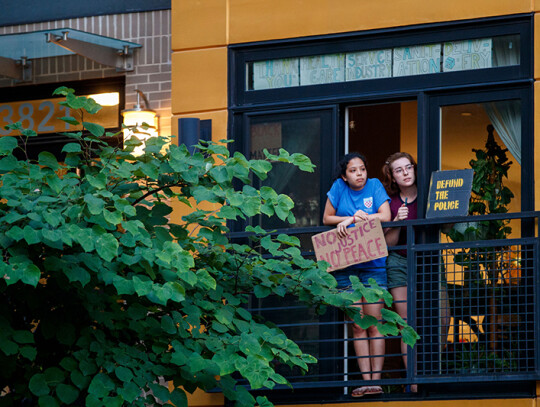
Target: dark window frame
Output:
{"points": [[501, 83], [243, 140], [241, 54], [429, 146], [430, 92]]}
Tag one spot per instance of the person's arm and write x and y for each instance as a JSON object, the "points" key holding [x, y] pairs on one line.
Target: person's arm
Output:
{"points": [[383, 213], [330, 219]]}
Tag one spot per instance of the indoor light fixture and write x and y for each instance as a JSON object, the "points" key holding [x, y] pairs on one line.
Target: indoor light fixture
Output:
{"points": [[134, 119], [106, 99]]}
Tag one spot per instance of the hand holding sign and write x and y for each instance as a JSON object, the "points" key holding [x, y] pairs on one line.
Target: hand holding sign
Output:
{"points": [[342, 227], [363, 242]]}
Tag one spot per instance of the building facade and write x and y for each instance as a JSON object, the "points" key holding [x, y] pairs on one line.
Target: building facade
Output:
{"points": [[435, 79], [35, 60]]}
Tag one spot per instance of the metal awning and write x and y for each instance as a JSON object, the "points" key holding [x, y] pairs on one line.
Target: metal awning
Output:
{"points": [[17, 50]]}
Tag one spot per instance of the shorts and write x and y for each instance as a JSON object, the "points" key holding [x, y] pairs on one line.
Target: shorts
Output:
{"points": [[344, 283], [396, 268]]}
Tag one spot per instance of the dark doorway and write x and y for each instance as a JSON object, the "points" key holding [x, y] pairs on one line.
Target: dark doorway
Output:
{"points": [[375, 131]]}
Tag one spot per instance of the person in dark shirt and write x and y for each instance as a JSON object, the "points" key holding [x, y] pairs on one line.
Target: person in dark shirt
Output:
{"points": [[399, 173]]}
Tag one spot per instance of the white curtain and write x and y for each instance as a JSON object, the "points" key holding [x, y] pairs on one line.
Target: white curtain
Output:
{"points": [[506, 116]]}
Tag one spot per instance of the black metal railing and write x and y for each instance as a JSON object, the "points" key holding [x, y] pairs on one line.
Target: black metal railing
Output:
{"points": [[472, 302]]}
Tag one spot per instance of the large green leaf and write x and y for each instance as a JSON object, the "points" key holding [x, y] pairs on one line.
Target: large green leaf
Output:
{"points": [[75, 273], [23, 337], [48, 401], [178, 397], [130, 391], [96, 129], [31, 275], [7, 144], [114, 217], [123, 373], [100, 386], [28, 352], [8, 347], [79, 380], [47, 159], [8, 163], [15, 233], [66, 393], [38, 385], [409, 336], [98, 181], [107, 246], [71, 148], [95, 204]]}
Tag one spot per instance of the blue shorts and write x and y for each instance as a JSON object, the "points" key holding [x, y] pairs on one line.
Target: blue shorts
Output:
{"points": [[344, 283]]}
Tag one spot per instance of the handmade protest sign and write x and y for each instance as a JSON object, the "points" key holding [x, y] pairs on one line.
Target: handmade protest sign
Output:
{"points": [[449, 193], [364, 242]]}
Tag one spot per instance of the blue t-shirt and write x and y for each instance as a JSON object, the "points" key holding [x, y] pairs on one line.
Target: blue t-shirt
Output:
{"points": [[347, 201]]}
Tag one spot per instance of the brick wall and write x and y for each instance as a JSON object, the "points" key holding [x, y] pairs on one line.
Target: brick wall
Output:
{"points": [[152, 62]]}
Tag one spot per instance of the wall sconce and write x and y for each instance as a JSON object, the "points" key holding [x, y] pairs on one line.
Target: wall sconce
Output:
{"points": [[134, 119]]}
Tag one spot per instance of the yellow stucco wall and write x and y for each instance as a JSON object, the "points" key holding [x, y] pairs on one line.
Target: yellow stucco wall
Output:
{"points": [[298, 18], [199, 24], [200, 80], [207, 23], [201, 399], [441, 403]]}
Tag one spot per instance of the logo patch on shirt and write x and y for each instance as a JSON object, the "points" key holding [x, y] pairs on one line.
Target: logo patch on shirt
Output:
{"points": [[368, 202]]}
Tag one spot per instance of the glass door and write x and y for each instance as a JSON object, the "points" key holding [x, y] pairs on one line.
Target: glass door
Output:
{"points": [[477, 282], [498, 123], [311, 132], [308, 132]]}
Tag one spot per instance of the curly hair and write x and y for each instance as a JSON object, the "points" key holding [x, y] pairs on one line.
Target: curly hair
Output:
{"points": [[388, 177], [341, 168]]}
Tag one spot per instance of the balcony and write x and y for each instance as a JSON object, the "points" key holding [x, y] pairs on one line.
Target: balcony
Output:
{"points": [[474, 304]]}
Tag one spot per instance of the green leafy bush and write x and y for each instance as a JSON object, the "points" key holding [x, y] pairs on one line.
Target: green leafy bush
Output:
{"points": [[103, 300]]}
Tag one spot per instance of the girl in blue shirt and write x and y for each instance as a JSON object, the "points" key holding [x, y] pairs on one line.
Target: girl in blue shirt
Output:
{"points": [[354, 197]]}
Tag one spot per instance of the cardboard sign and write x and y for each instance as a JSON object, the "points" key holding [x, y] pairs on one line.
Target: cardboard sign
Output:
{"points": [[364, 242], [449, 193]]}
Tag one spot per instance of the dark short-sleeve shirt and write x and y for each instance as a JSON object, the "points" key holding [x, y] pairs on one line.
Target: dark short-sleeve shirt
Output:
{"points": [[395, 204]]}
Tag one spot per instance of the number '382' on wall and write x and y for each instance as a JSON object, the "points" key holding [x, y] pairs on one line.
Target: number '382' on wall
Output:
{"points": [[42, 116]]}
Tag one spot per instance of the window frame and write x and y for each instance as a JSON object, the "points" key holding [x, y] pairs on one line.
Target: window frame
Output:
{"points": [[430, 92], [242, 144], [241, 54]]}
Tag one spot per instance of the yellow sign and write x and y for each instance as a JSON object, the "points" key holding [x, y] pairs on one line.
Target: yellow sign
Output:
{"points": [[449, 193], [42, 116]]}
